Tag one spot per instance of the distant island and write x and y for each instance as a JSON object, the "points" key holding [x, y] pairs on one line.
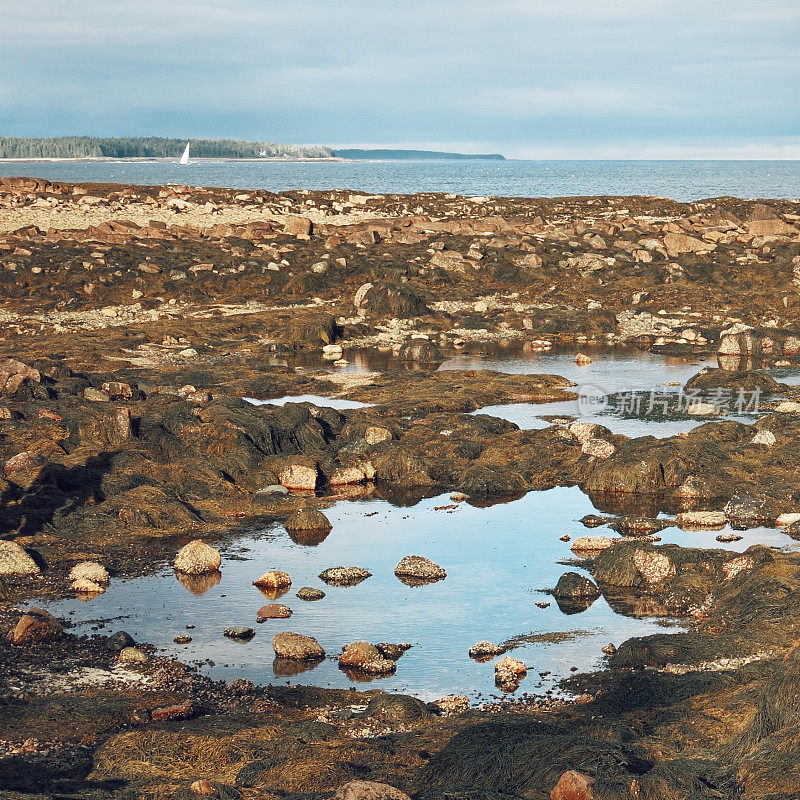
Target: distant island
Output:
{"points": [[102, 147], [413, 155], [151, 147]]}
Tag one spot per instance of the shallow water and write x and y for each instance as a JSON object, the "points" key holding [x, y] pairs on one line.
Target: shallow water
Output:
{"points": [[679, 180], [498, 559]]}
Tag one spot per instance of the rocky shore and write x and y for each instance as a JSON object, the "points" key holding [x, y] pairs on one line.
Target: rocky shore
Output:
{"points": [[136, 319]]}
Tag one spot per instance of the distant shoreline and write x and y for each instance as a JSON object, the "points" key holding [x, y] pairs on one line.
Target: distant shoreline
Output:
{"points": [[153, 160]]}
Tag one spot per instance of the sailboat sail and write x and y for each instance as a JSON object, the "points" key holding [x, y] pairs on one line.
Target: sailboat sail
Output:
{"points": [[185, 156]]}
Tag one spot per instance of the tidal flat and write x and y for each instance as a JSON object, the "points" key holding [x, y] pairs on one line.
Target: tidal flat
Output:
{"points": [[585, 412]]}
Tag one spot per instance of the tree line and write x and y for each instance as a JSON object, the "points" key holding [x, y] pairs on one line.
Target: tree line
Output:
{"points": [[150, 147]]}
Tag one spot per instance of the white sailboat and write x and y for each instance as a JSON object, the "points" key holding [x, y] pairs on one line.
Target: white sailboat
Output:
{"points": [[185, 156]]}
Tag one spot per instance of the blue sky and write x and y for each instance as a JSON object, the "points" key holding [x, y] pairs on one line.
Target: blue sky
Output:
{"points": [[528, 78]]}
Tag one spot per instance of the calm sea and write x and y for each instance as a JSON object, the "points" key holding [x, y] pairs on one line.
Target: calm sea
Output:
{"points": [[680, 180]]}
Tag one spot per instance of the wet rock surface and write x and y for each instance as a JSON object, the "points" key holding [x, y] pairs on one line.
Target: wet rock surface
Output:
{"points": [[136, 318]]}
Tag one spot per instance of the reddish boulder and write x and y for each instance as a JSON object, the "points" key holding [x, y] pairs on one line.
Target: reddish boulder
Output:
{"points": [[573, 785], [35, 626]]}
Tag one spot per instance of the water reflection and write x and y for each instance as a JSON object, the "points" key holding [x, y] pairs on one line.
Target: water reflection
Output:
{"points": [[199, 584]]}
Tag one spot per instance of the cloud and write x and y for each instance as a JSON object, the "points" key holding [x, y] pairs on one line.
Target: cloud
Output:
{"points": [[579, 100], [521, 75]]}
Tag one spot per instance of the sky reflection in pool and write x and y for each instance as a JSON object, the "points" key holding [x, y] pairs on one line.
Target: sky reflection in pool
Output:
{"points": [[497, 559]]}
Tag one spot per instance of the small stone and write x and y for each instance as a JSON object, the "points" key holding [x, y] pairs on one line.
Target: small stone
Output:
{"points": [[459, 497], [274, 488], [582, 359], [609, 649], [565, 538], [182, 638]]}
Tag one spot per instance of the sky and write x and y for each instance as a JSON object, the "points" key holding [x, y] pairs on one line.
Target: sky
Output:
{"points": [[526, 78]]}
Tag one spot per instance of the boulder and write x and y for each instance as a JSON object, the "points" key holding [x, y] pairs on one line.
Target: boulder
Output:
{"points": [[273, 579], [310, 593], [239, 632], [90, 571], [273, 611], [386, 299], [35, 626], [452, 704], [14, 560], [420, 350], [698, 520], [197, 558], [573, 785], [308, 520], [365, 657], [598, 448], [419, 568], [298, 226], [574, 593], [397, 709], [575, 585], [584, 544], [119, 641], [344, 576], [586, 431], [297, 647], [749, 511], [679, 243], [508, 672], [368, 790], [654, 567], [483, 650], [299, 476], [392, 651]]}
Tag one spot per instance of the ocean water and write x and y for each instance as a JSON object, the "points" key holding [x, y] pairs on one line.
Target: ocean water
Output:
{"points": [[679, 180]]}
